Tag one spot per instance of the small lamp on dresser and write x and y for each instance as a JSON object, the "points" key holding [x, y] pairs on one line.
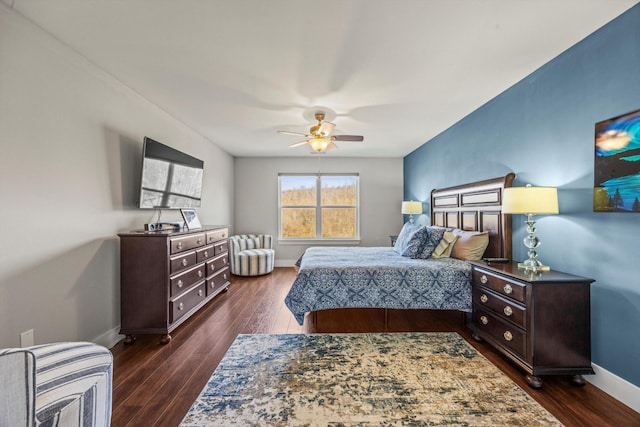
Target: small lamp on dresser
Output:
{"points": [[530, 201], [410, 208]]}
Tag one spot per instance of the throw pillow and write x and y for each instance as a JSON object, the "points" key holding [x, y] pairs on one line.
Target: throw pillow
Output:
{"points": [[443, 250], [407, 232], [414, 246], [470, 245], [433, 239]]}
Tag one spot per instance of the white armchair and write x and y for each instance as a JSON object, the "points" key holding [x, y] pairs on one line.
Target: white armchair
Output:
{"points": [[251, 254], [61, 384]]}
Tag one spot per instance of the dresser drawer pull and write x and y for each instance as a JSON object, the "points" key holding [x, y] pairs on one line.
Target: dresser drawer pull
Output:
{"points": [[507, 336], [508, 311], [184, 262], [180, 284], [199, 273], [199, 241], [181, 306], [213, 285], [224, 260], [206, 254], [179, 245], [224, 276], [484, 320], [484, 298], [200, 292], [508, 289], [484, 279]]}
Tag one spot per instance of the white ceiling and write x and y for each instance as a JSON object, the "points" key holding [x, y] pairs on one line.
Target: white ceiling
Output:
{"points": [[398, 72]]}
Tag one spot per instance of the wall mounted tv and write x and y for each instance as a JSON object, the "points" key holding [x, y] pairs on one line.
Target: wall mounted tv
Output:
{"points": [[170, 179]]}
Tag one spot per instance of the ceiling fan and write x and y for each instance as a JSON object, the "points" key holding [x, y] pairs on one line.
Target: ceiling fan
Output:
{"points": [[319, 137]]}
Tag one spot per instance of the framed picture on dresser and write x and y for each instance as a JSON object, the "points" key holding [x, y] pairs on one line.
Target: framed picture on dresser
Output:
{"points": [[191, 220]]}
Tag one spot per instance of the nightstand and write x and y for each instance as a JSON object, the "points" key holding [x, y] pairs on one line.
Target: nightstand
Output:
{"points": [[541, 321], [393, 238]]}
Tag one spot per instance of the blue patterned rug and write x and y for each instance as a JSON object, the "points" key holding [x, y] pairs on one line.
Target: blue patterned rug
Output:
{"points": [[361, 380]]}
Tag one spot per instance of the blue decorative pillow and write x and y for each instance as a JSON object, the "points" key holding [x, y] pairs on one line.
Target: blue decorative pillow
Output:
{"points": [[407, 232], [434, 235], [414, 246]]}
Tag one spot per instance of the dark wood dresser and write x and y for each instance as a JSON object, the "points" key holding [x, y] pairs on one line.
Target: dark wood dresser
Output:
{"points": [[166, 276], [541, 321]]}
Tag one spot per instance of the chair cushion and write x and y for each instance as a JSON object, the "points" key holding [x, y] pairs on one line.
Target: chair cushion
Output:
{"points": [[253, 262]]}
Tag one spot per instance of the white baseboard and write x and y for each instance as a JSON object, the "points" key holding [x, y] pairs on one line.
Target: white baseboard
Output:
{"points": [[285, 262], [109, 338], [613, 385]]}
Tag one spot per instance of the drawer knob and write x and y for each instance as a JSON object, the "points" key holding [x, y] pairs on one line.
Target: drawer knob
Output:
{"points": [[206, 254], [199, 241], [224, 260], [185, 262], [508, 289], [180, 284], [199, 273], [200, 293], [507, 335], [179, 245], [484, 320], [224, 276], [181, 306], [213, 285], [508, 311], [484, 298], [484, 279]]}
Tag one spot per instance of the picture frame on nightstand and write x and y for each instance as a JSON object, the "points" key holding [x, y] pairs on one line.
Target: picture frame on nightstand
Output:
{"points": [[191, 221]]}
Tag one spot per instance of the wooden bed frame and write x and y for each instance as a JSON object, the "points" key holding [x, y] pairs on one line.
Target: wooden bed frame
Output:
{"points": [[476, 206]]}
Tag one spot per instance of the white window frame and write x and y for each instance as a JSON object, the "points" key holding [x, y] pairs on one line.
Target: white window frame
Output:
{"points": [[318, 239]]}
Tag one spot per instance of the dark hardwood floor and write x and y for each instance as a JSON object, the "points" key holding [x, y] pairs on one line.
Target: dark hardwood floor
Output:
{"points": [[154, 385]]}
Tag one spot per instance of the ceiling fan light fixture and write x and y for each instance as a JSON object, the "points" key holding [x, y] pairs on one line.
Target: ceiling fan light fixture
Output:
{"points": [[319, 144]]}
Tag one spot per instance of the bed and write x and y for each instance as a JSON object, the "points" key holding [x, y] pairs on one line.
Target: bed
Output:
{"points": [[379, 277]]}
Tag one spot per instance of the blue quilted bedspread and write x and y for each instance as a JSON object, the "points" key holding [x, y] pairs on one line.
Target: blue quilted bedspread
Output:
{"points": [[377, 277]]}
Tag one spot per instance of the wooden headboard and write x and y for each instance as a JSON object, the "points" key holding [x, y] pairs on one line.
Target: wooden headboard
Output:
{"points": [[476, 206]]}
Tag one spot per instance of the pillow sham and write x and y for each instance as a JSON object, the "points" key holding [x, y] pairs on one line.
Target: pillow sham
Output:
{"points": [[444, 248], [414, 246], [434, 236], [404, 238], [470, 245]]}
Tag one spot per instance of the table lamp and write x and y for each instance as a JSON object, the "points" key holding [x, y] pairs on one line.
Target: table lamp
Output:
{"points": [[530, 201], [410, 208]]}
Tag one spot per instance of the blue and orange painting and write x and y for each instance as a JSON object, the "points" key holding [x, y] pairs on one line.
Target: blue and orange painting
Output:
{"points": [[617, 164]]}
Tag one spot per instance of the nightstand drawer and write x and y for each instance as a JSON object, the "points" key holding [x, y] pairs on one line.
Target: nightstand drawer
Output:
{"points": [[508, 288], [503, 307], [504, 332]]}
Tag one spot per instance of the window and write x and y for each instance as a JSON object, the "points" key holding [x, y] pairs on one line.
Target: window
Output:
{"points": [[320, 206]]}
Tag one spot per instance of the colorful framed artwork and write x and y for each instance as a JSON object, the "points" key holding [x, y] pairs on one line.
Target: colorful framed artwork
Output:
{"points": [[616, 185]]}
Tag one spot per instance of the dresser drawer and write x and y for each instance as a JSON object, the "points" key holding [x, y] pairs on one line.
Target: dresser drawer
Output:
{"points": [[508, 288], [218, 281], [501, 306], [205, 253], [504, 332], [182, 261], [214, 236], [183, 304], [221, 248], [217, 264], [181, 244], [183, 281]]}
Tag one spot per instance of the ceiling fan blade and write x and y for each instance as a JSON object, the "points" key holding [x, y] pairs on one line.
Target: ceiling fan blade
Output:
{"points": [[331, 147], [326, 128], [298, 144], [355, 138], [286, 132]]}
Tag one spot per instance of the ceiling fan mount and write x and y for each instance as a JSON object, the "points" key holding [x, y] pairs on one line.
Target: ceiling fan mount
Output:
{"points": [[319, 137]]}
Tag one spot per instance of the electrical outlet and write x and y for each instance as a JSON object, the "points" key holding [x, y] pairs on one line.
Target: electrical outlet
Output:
{"points": [[26, 338]]}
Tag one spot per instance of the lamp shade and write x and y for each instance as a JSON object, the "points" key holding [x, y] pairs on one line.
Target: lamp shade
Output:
{"points": [[411, 207], [530, 200]]}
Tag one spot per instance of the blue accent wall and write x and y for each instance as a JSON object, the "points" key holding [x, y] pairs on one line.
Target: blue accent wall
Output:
{"points": [[542, 128]]}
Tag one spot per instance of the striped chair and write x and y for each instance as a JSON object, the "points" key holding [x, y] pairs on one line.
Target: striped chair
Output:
{"points": [[251, 254], [61, 384]]}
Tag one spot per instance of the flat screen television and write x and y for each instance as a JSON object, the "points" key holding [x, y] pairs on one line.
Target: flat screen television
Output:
{"points": [[170, 178]]}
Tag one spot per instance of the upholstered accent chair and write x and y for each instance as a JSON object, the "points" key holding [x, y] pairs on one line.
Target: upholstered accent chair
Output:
{"points": [[251, 254], [61, 384]]}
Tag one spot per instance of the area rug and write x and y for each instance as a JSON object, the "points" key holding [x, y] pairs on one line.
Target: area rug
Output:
{"points": [[361, 380]]}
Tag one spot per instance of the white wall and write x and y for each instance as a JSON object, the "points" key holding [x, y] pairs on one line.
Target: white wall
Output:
{"points": [[256, 201], [70, 153]]}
